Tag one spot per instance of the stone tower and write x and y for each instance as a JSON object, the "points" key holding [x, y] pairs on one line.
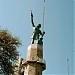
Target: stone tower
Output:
{"points": [[34, 64]]}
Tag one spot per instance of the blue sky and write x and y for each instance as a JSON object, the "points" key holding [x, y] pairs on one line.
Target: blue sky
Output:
{"points": [[59, 28]]}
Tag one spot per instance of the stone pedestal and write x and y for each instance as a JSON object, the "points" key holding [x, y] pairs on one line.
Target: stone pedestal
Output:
{"points": [[34, 64], [34, 52]]}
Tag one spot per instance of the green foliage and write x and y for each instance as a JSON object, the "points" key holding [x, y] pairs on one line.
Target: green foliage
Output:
{"points": [[8, 52]]}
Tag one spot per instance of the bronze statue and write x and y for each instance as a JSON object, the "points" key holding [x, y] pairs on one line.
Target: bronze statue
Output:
{"points": [[36, 31]]}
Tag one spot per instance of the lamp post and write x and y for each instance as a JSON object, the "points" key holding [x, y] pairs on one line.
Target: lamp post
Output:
{"points": [[68, 65]]}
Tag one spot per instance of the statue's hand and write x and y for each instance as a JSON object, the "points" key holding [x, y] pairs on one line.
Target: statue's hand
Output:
{"points": [[31, 14], [43, 33]]}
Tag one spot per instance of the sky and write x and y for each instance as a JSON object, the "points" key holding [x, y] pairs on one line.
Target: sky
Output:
{"points": [[58, 26]]}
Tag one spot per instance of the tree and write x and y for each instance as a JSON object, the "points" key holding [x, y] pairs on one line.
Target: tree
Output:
{"points": [[8, 52]]}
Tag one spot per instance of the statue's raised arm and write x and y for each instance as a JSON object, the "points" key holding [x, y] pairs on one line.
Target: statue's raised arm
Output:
{"points": [[32, 19], [37, 35]]}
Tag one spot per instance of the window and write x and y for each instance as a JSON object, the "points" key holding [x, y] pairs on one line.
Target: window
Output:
{"points": [[22, 73], [38, 73]]}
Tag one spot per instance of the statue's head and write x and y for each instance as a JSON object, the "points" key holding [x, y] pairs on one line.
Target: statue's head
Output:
{"points": [[39, 26], [41, 38]]}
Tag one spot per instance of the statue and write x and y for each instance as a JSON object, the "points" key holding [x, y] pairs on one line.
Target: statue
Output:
{"points": [[36, 32]]}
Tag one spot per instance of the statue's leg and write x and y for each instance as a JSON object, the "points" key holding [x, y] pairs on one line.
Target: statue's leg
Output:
{"points": [[32, 42]]}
